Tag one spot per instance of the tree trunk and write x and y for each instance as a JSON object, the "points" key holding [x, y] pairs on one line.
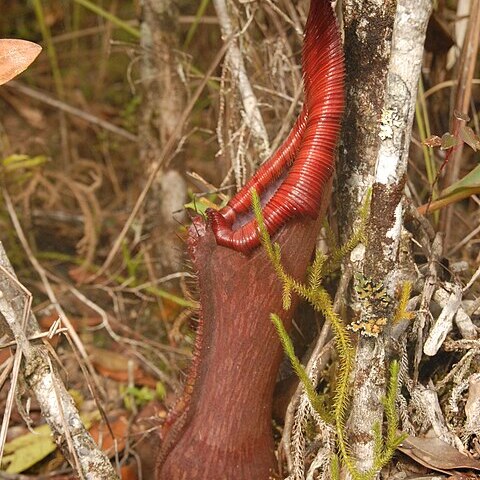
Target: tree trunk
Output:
{"points": [[382, 90]]}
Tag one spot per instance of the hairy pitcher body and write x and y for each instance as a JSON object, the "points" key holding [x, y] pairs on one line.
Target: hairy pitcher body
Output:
{"points": [[221, 426]]}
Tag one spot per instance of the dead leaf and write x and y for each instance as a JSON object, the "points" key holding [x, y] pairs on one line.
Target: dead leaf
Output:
{"points": [[436, 454], [26, 450], [102, 437], [33, 116], [146, 431], [463, 476], [433, 141], [472, 407], [15, 56], [448, 141], [81, 275], [5, 354], [470, 138], [115, 366], [130, 471]]}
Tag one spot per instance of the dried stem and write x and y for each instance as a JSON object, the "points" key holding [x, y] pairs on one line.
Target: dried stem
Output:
{"points": [[463, 94], [237, 66], [71, 110]]}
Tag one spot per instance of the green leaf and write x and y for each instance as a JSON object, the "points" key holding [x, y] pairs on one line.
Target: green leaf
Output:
{"points": [[466, 187], [141, 395], [470, 138], [197, 206], [92, 6], [201, 204], [193, 28], [16, 161], [448, 141], [27, 450], [161, 391], [469, 184]]}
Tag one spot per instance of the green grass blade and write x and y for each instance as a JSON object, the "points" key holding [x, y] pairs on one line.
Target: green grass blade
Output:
{"points": [[110, 17]]}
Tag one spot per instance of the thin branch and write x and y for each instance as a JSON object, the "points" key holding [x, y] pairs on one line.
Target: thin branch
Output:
{"points": [[37, 336], [48, 287], [65, 107], [237, 66], [56, 404]]}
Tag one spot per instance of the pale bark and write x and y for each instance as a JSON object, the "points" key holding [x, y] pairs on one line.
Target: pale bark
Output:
{"points": [[444, 322], [368, 28]]}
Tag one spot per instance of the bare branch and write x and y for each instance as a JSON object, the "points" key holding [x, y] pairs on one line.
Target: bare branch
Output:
{"points": [[237, 66], [56, 404], [71, 110]]}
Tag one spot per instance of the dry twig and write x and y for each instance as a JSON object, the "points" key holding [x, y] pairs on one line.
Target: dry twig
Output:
{"points": [[237, 66], [56, 404]]}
